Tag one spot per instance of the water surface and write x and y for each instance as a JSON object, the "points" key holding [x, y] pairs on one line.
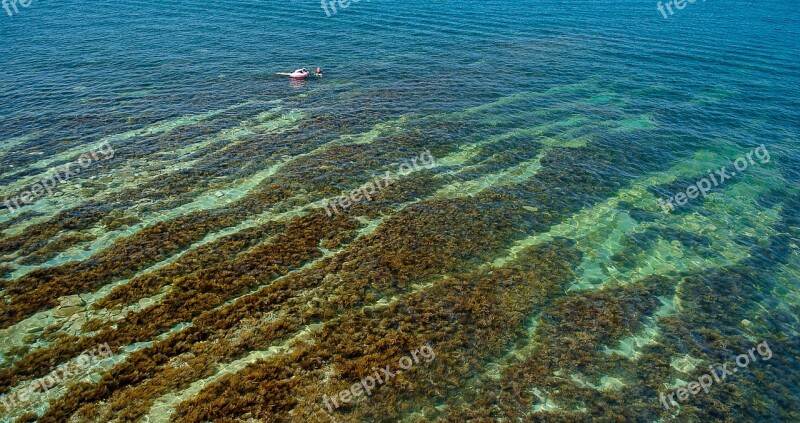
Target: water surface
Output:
{"points": [[533, 256]]}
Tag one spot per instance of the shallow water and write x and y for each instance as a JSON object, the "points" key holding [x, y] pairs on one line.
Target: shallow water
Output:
{"points": [[530, 147]]}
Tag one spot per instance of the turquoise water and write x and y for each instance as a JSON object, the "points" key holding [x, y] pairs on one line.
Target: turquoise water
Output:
{"points": [[534, 256]]}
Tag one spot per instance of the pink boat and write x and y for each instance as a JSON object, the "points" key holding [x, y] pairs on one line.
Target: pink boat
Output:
{"points": [[300, 73]]}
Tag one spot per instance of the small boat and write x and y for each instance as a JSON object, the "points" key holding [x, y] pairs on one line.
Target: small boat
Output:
{"points": [[298, 74]]}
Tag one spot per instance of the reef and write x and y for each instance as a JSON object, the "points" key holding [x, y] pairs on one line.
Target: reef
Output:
{"points": [[535, 263]]}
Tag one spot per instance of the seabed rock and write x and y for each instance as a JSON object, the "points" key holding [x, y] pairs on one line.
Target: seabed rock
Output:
{"points": [[35, 329], [67, 311], [72, 301]]}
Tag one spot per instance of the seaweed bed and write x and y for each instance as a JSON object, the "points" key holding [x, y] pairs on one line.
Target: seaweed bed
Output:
{"points": [[301, 304]]}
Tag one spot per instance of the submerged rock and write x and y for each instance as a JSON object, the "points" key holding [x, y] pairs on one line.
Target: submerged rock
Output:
{"points": [[35, 329], [72, 301], [67, 311]]}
